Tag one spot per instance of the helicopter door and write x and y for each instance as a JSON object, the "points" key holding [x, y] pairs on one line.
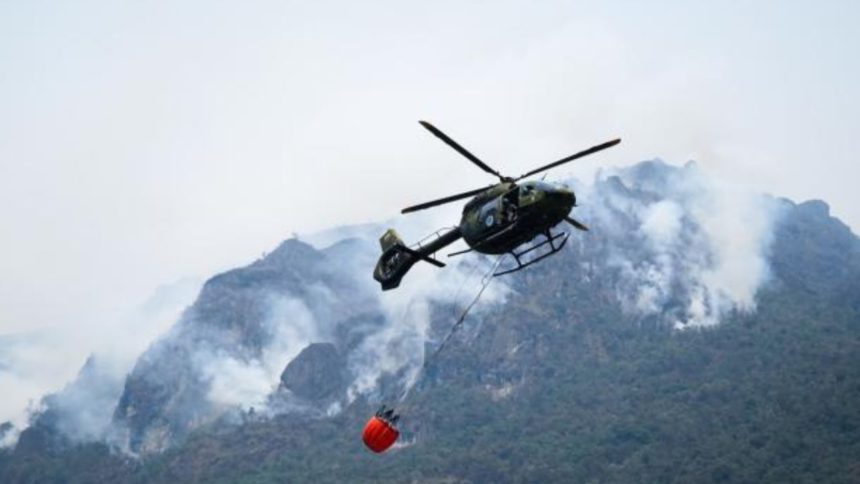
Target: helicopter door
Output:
{"points": [[509, 205]]}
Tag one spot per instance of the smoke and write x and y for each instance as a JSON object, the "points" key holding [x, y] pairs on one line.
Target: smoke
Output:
{"points": [[226, 357], [236, 382], [22, 378], [686, 249], [398, 347], [33, 365], [395, 347], [689, 248]]}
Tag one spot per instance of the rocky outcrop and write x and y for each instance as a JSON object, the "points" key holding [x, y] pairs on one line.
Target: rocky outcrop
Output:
{"points": [[318, 373]]}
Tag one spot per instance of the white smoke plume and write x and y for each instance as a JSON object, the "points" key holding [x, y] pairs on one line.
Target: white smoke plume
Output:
{"points": [[399, 346], [396, 348], [246, 384], [702, 242]]}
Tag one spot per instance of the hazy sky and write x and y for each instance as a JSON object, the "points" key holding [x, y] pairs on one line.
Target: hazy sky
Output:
{"points": [[147, 141]]}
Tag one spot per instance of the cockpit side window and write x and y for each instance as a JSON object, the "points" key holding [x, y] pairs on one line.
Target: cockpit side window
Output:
{"points": [[526, 190], [489, 213]]}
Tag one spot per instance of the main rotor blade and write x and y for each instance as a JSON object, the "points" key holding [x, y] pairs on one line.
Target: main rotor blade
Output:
{"points": [[593, 149], [453, 144], [442, 201], [576, 223]]}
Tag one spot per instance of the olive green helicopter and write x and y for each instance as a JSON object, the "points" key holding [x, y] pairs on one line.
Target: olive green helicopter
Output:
{"points": [[499, 219]]}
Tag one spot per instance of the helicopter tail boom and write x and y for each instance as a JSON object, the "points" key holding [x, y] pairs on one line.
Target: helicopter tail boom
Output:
{"points": [[397, 258]]}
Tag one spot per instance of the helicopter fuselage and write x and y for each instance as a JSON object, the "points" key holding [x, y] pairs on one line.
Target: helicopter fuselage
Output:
{"points": [[508, 215]]}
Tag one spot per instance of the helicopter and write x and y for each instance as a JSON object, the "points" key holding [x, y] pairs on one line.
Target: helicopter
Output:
{"points": [[499, 219]]}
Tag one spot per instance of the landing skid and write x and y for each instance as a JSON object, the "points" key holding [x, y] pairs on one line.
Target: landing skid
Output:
{"points": [[550, 239]]}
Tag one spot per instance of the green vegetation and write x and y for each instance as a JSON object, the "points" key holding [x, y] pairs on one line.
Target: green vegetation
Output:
{"points": [[772, 397]]}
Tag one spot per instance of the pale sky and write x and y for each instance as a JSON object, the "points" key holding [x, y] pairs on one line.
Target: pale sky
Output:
{"points": [[143, 142]]}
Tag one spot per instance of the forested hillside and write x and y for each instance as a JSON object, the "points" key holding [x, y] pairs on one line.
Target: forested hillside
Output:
{"points": [[558, 381]]}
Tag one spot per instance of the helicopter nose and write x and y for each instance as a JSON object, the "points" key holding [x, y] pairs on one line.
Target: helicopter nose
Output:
{"points": [[565, 196]]}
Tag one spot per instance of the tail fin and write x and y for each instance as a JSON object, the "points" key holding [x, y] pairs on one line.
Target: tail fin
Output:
{"points": [[396, 260], [389, 239]]}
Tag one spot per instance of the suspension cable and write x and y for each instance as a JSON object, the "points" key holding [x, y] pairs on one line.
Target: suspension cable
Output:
{"points": [[485, 282]]}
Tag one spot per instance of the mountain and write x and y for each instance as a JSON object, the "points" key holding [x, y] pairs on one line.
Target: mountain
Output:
{"points": [[196, 373], [696, 334]]}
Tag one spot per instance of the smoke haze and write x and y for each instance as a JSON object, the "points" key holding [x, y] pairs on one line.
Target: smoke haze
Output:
{"points": [[703, 242], [687, 248]]}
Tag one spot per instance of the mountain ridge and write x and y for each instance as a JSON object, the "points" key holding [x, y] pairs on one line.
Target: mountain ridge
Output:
{"points": [[569, 374]]}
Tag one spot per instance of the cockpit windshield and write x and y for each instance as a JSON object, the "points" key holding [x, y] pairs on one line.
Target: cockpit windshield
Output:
{"points": [[528, 188]]}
